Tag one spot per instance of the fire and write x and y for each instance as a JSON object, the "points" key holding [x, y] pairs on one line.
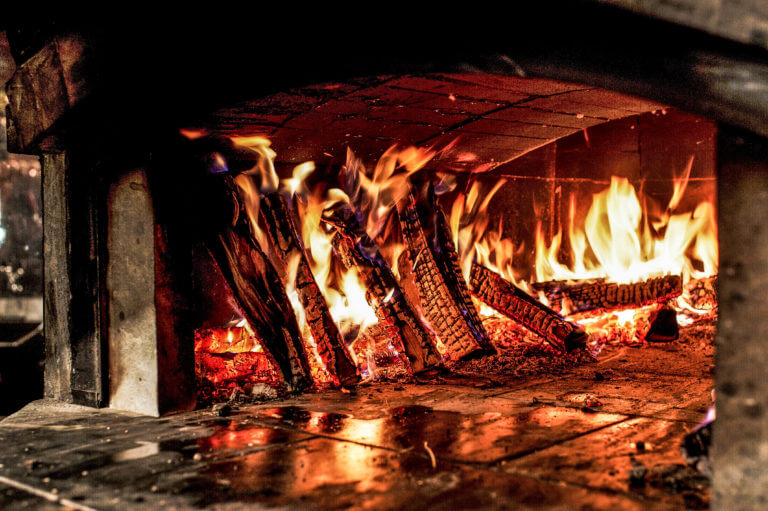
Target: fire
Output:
{"points": [[469, 224], [377, 193], [625, 239], [295, 183], [236, 339], [343, 291], [265, 168]]}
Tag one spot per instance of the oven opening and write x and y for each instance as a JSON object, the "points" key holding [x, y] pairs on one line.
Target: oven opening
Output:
{"points": [[460, 281], [434, 228]]}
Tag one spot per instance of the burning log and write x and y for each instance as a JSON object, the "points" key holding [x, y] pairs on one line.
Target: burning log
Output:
{"points": [[383, 293], [609, 295], [255, 283], [444, 238], [516, 304], [443, 294], [288, 244]]}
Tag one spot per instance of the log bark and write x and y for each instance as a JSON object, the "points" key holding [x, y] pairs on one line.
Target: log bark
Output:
{"points": [[609, 295], [702, 293], [516, 304], [383, 293], [288, 245], [444, 239], [444, 297], [255, 283]]}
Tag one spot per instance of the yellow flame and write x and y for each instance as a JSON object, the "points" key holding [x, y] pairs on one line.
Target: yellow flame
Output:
{"points": [[343, 290], [623, 241], [625, 237], [379, 191], [295, 184], [469, 222], [265, 166], [251, 199], [376, 194]]}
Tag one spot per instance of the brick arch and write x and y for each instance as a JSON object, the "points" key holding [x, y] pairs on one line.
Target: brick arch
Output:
{"points": [[496, 118]]}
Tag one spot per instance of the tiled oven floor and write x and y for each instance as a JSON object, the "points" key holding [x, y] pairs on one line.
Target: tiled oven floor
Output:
{"points": [[530, 444]]}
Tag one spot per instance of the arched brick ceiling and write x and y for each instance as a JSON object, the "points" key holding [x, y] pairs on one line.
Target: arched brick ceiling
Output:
{"points": [[496, 118]]}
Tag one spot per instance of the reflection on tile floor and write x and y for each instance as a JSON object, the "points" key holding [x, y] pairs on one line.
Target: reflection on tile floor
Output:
{"points": [[529, 445]]}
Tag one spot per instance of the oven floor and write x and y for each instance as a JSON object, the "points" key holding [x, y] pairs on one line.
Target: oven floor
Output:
{"points": [[530, 444]]}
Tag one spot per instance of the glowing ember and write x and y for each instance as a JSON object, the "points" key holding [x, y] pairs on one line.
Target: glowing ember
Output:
{"points": [[237, 339]]}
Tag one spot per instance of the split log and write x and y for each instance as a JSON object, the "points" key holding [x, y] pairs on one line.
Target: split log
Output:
{"points": [[444, 297], [288, 245], [255, 283], [444, 239], [516, 304], [599, 294], [408, 281], [383, 293]]}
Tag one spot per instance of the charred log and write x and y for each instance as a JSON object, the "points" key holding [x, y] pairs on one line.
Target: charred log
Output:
{"points": [[444, 239], [288, 245], [516, 304], [384, 294], [609, 295], [443, 294], [255, 283], [408, 281]]}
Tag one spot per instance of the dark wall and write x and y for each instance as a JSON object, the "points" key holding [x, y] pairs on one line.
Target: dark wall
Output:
{"points": [[156, 73]]}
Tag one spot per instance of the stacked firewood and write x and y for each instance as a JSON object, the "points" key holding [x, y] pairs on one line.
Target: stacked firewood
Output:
{"points": [[435, 324], [427, 312]]}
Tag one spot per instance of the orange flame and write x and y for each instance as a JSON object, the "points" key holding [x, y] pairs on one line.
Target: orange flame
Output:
{"points": [[265, 166], [236, 339], [469, 224], [377, 193], [624, 237]]}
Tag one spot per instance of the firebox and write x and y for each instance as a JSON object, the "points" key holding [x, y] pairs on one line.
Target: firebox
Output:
{"points": [[289, 256], [484, 262], [586, 199]]}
